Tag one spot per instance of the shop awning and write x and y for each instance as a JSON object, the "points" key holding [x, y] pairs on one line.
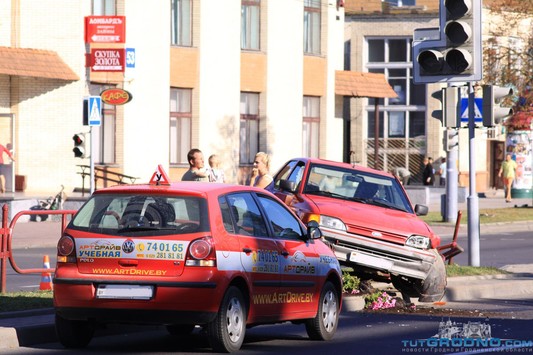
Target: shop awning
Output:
{"points": [[34, 63], [357, 84]]}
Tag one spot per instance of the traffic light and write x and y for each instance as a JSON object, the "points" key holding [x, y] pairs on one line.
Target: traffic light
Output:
{"points": [[451, 139], [493, 113], [454, 54], [449, 114], [79, 145]]}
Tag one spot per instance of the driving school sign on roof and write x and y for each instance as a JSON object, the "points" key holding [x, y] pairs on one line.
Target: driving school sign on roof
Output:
{"points": [[105, 29]]}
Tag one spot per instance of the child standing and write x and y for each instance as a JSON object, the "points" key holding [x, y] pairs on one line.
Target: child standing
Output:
{"points": [[216, 174]]}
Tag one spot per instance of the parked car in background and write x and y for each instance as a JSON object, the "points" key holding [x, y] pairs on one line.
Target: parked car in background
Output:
{"points": [[187, 254], [367, 218]]}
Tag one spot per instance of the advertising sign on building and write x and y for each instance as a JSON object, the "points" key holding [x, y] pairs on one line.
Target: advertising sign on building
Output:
{"points": [[107, 59], [105, 29]]}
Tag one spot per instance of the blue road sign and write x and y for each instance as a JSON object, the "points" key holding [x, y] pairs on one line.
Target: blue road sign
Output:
{"points": [[478, 113], [130, 57], [95, 111]]}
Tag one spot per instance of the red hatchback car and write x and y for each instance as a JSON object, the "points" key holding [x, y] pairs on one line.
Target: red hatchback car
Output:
{"points": [[219, 256], [369, 222]]}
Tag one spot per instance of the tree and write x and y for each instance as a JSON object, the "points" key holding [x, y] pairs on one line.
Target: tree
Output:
{"points": [[508, 43]]}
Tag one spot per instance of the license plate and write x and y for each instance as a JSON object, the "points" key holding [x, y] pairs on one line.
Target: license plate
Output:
{"points": [[125, 292], [371, 261]]}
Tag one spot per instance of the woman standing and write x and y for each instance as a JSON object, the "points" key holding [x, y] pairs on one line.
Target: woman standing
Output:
{"points": [[261, 171]]}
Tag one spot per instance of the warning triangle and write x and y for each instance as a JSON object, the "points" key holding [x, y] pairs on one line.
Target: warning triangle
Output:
{"points": [[160, 177]]}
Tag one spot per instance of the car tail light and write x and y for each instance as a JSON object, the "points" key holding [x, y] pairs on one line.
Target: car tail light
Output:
{"points": [[66, 250], [201, 253]]}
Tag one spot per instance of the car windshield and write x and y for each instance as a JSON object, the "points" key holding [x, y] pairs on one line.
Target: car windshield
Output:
{"points": [[131, 215], [355, 185]]}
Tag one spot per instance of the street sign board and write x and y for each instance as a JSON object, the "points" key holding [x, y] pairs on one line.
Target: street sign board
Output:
{"points": [[105, 29], [478, 104], [107, 59], [130, 57], [95, 111]]}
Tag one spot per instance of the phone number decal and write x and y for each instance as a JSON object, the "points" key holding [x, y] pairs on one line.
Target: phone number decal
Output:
{"points": [[132, 248]]}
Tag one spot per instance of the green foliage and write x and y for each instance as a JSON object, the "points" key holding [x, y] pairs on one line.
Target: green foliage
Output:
{"points": [[496, 215], [350, 283]]}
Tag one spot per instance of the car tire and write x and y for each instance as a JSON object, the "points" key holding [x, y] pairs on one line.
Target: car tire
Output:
{"points": [[180, 329], [73, 334], [324, 325], [226, 332]]}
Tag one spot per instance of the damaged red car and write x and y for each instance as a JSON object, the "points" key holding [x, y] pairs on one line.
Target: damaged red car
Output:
{"points": [[368, 220]]}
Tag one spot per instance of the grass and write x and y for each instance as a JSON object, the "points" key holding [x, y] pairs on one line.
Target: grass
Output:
{"points": [[495, 215], [23, 301], [458, 270]]}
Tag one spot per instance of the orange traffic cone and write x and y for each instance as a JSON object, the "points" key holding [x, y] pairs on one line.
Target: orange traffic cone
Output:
{"points": [[46, 277]]}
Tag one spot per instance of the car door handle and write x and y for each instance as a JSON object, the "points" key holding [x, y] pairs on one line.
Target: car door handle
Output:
{"points": [[247, 250]]}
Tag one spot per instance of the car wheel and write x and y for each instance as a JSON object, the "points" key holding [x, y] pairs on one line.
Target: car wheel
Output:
{"points": [[180, 329], [73, 333], [324, 325], [226, 332]]}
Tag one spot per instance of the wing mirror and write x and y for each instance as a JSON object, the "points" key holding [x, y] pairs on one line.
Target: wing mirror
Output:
{"points": [[313, 230], [421, 210], [287, 185]]}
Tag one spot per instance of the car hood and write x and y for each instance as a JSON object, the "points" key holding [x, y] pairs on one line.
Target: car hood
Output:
{"points": [[374, 221]]}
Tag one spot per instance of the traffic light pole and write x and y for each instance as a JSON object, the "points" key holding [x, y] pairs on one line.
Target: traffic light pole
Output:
{"points": [[91, 159], [451, 185], [473, 202]]}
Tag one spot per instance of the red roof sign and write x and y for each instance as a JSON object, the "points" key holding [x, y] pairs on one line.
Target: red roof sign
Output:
{"points": [[160, 177], [105, 29]]}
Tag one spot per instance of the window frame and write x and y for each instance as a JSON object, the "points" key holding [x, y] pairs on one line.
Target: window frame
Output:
{"points": [[311, 126], [181, 23], [178, 152], [249, 118], [312, 26], [251, 26]]}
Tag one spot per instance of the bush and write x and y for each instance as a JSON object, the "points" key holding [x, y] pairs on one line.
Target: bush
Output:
{"points": [[350, 283]]}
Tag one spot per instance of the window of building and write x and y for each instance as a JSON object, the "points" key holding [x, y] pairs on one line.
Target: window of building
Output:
{"points": [[312, 26], [104, 7], [249, 127], [104, 135], [181, 23], [250, 19], [311, 126], [402, 120], [180, 125], [402, 2]]}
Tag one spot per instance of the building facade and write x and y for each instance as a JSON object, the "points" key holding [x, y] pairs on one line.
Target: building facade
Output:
{"points": [[228, 77]]}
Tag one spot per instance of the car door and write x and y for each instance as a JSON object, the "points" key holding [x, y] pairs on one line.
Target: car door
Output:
{"points": [[259, 253], [299, 260]]}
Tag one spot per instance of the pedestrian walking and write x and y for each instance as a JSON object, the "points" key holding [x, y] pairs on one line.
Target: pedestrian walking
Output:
{"points": [[508, 172], [428, 173], [402, 174], [2, 173]]}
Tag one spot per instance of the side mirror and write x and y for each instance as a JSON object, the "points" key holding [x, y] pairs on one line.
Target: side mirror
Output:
{"points": [[313, 230], [287, 185], [421, 210]]}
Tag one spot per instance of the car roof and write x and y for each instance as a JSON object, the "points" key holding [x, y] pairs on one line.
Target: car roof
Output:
{"points": [[200, 189], [343, 165]]}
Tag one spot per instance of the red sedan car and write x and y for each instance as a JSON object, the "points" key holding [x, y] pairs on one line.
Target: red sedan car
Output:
{"points": [[369, 221], [189, 254]]}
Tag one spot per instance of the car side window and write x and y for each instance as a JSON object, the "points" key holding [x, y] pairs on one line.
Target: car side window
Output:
{"points": [[297, 173], [246, 216], [225, 211], [284, 224], [284, 173]]}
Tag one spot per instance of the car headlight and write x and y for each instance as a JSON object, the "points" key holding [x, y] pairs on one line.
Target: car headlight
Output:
{"points": [[418, 241], [331, 222]]}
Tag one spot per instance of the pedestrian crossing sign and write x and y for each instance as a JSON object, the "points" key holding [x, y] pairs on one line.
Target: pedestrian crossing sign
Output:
{"points": [[478, 104], [95, 111]]}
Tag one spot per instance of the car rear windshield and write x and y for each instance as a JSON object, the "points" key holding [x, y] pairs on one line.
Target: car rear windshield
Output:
{"points": [[356, 185], [142, 215]]}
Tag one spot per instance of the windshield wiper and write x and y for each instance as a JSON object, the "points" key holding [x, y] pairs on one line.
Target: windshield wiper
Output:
{"points": [[384, 204]]}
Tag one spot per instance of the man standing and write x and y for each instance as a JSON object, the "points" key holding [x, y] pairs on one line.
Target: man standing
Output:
{"points": [[196, 171], [442, 172], [428, 173], [508, 170]]}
